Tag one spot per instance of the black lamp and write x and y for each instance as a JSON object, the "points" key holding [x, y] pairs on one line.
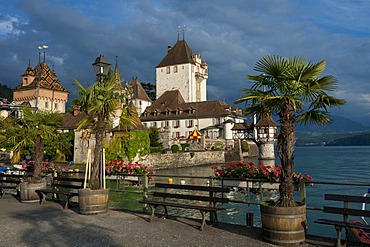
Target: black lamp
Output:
{"points": [[101, 67]]}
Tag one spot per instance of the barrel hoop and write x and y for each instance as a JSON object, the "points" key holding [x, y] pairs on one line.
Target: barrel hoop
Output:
{"points": [[284, 216], [272, 240], [283, 232], [93, 205]]}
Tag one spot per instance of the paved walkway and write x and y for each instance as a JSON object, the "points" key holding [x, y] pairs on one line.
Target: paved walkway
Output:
{"points": [[25, 224]]}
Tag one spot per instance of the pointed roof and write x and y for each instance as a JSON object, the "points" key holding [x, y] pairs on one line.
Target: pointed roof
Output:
{"points": [[195, 134], [179, 54], [169, 100], [138, 90], [266, 121], [29, 70], [174, 102], [48, 79], [117, 75]]}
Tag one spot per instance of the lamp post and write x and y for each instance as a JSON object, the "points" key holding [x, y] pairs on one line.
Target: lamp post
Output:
{"points": [[41, 47], [101, 67]]}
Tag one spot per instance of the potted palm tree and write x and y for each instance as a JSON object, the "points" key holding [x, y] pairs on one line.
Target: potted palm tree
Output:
{"points": [[104, 101], [294, 90], [34, 128]]}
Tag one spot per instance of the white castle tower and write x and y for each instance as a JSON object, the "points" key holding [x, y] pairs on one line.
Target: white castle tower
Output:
{"points": [[182, 70]]}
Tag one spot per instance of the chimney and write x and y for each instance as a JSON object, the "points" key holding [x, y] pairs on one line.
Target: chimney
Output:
{"points": [[169, 48], [76, 110]]}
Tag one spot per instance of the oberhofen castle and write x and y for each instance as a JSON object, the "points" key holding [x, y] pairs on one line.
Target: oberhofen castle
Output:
{"points": [[181, 111]]}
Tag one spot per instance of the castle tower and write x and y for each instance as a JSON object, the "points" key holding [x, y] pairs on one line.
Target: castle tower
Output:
{"points": [[41, 88], [266, 138], [182, 70]]}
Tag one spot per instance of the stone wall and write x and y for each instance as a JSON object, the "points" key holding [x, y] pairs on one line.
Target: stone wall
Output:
{"points": [[184, 159]]}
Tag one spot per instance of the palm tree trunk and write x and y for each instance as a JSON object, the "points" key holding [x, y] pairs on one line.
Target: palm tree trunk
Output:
{"points": [[99, 136], [286, 142], [39, 155]]}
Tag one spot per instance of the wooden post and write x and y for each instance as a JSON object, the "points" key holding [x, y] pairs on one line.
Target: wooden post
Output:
{"points": [[211, 194], [146, 187], [103, 169], [87, 167], [302, 191]]}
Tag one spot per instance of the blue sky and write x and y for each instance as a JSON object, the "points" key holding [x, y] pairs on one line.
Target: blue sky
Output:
{"points": [[231, 36]]}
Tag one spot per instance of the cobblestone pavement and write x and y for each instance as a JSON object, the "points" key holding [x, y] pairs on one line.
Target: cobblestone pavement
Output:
{"points": [[31, 224]]}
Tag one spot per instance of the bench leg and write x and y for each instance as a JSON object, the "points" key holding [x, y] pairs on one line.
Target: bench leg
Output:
{"points": [[215, 219], [152, 213], [165, 212], [67, 202], [42, 197], [203, 219], [339, 242]]}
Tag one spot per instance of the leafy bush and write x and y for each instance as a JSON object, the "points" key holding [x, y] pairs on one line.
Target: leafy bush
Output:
{"points": [[175, 148], [185, 146]]}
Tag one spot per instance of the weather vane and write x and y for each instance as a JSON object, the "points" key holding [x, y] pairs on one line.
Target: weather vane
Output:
{"points": [[183, 32]]}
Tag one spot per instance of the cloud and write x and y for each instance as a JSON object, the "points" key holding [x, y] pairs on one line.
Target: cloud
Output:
{"points": [[230, 36]]}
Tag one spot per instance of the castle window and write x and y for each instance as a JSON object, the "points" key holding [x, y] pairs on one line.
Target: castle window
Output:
{"points": [[174, 69], [168, 70], [46, 105], [190, 123], [176, 123], [56, 106]]}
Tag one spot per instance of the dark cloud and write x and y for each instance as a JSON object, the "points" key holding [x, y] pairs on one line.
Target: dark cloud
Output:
{"points": [[230, 35]]}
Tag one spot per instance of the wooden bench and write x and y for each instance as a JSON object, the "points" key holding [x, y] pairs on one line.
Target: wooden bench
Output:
{"points": [[67, 186], [187, 197], [347, 209], [9, 183]]}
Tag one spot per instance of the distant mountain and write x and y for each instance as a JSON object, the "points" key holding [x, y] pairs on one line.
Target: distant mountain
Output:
{"points": [[357, 140], [339, 124], [342, 131]]}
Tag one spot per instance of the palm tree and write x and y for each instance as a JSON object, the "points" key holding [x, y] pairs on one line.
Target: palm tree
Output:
{"points": [[293, 89], [33, 128], [103, 101]]}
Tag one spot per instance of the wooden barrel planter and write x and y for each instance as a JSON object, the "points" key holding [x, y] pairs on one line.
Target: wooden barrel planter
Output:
{"points": [[283, 225], [27, 191], [93, 201]]}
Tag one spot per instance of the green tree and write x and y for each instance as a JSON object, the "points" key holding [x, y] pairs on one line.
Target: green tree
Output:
{"points": [[154, 137], [103, 101], [34, 128], [293, 89], [150, 90]]}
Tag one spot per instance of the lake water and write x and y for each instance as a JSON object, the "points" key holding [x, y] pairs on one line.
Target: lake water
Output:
{"points": [[330, 164]]}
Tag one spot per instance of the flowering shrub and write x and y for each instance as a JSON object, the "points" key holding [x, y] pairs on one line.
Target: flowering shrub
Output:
{"points": [[249, 170], [119, 167], [46, 167]]}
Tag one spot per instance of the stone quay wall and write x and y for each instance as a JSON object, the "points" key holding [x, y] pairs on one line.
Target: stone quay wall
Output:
{"points": [[184, 159]]}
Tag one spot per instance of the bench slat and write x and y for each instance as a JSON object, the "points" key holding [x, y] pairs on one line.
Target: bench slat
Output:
{"points": [[346, 211], [69, 179], [347, 198], [67, 186], [192, 187], [46, 191], [191, 197], [181, 205], [342, 224]]}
